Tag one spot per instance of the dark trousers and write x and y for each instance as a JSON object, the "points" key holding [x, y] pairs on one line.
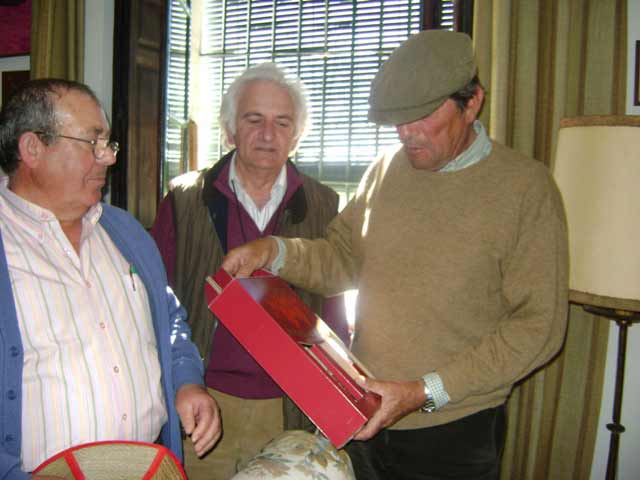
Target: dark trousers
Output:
{"points": [[469, 448]]}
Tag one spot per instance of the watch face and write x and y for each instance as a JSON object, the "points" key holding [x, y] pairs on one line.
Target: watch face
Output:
{"points": [[428, 407]]}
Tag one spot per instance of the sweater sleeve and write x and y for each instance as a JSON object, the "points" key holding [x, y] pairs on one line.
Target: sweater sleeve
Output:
{"points": [[332, 264], [10, 468], [535, 286], [186, 363], [326, 266]]}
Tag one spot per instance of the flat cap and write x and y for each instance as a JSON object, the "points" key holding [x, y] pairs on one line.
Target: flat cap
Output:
{"points": [[420, 75]]}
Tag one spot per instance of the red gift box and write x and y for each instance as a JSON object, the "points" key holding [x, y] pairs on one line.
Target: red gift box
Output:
{"points": [[296, 348]]}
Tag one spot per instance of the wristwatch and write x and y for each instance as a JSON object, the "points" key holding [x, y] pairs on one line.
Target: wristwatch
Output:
{"points": [[429, 404]]}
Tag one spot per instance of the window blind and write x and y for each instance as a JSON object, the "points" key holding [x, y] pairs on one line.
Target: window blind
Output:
{"points": [[335, 47], [177, 86]]}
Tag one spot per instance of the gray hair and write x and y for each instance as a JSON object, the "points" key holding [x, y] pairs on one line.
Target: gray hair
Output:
{"points": [[32, 108], [272, 73]]}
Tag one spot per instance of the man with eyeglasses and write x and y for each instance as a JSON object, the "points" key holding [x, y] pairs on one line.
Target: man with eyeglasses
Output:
{"points": [[93, 344]]}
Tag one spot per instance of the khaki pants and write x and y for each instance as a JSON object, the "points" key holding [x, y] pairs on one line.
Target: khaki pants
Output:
{"points": [[247, 425]]}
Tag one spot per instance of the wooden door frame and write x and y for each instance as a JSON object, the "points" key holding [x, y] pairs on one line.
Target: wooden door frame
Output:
{"points": [[126, 172]]}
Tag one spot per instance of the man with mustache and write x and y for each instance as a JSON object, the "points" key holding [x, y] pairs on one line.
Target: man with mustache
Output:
{"points": [[93, 345], [252, 192], [458, 247]]}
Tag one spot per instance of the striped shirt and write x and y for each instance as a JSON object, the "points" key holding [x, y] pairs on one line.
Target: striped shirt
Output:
{"points": [[91, 369]]}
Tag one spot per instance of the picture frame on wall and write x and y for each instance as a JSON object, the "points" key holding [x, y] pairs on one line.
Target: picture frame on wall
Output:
{"points": [[15, 28]]}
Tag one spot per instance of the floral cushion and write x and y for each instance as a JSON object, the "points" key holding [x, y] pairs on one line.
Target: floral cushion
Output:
{"points": [[296, 454]]}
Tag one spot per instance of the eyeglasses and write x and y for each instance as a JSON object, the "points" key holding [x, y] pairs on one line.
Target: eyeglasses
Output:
{"points": [[99, 145]]}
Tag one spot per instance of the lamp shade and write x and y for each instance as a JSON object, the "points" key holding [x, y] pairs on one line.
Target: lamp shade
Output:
{"points": [[597, 169]]}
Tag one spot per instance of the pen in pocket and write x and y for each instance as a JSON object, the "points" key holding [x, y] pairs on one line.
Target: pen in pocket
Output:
{"points": [[132, 272]]}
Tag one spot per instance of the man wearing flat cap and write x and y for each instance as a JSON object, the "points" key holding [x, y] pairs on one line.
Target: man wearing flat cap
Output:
{"points": [[458, 247]]}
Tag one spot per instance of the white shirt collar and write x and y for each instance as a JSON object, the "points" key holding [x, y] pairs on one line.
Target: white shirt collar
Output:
{"points": [[260, 216]]}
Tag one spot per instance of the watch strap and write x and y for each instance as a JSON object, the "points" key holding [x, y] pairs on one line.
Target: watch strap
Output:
{"points": [[436, 396]]}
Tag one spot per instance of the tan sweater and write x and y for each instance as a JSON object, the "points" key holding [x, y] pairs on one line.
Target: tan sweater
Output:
{"points": [[462, 273]]}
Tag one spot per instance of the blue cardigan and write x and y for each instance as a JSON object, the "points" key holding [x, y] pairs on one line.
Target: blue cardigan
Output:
{"points": [[179, 359]]}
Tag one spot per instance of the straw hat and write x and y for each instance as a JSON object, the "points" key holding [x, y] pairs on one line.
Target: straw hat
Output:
{"points": [[117, 460]]}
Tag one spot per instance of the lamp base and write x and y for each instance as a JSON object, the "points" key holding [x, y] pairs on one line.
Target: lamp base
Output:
{"points": [[624, 319]]}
